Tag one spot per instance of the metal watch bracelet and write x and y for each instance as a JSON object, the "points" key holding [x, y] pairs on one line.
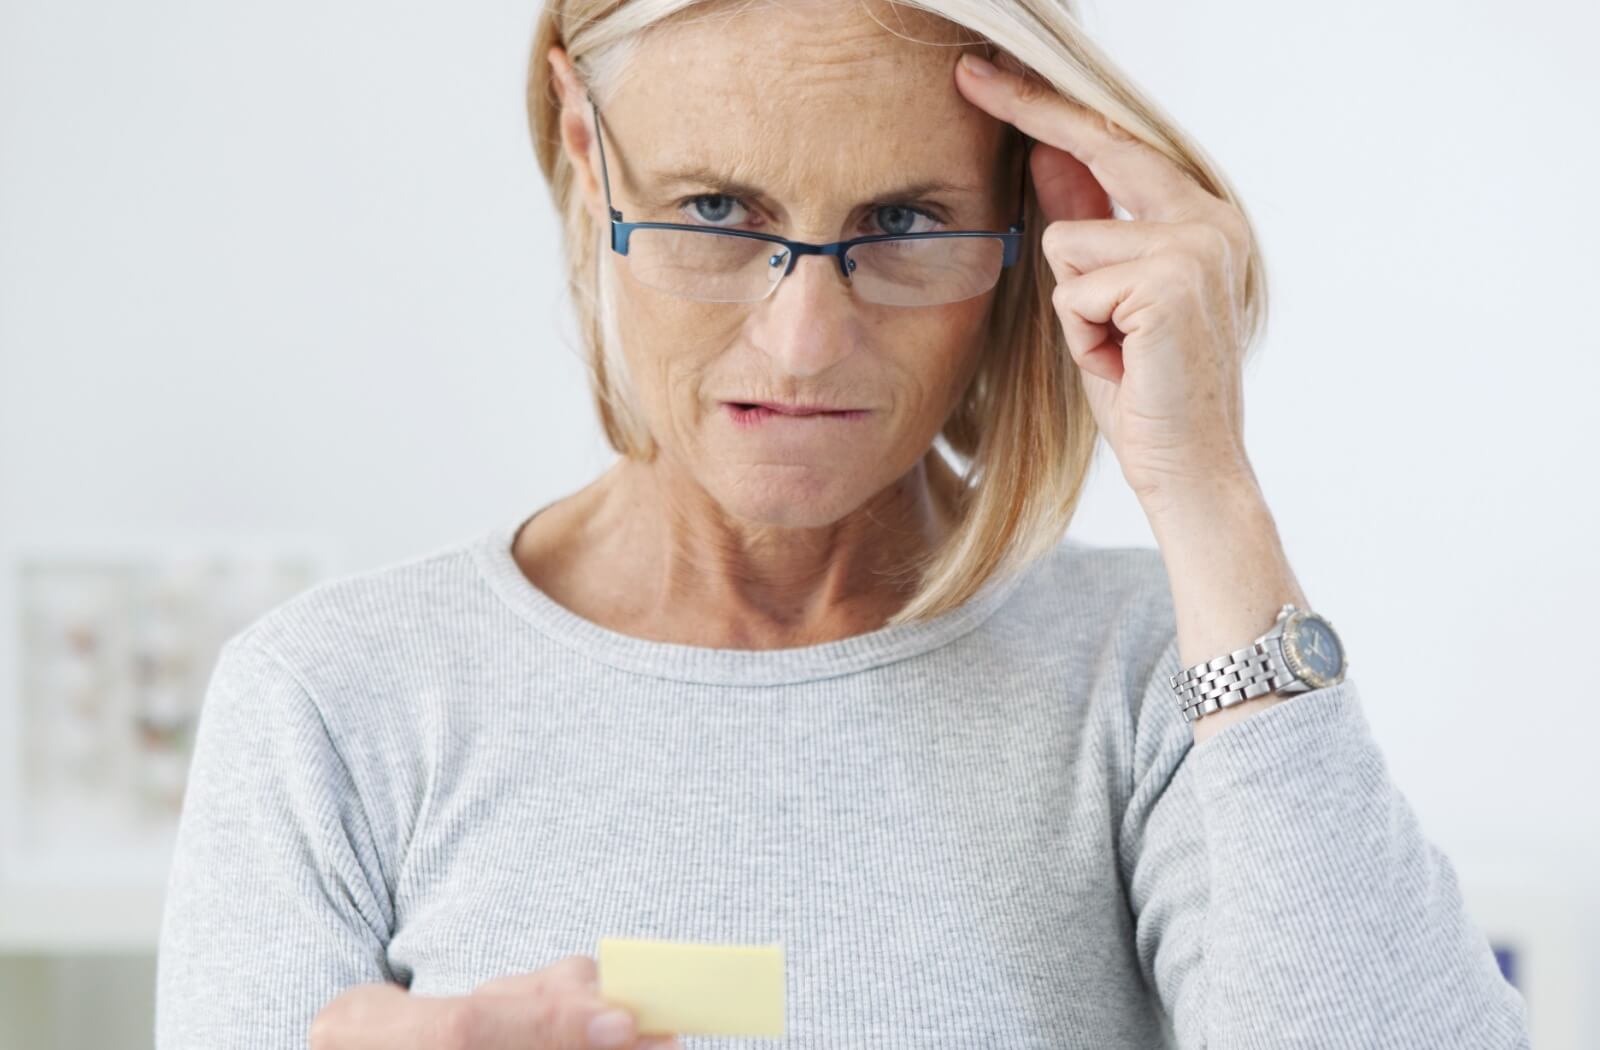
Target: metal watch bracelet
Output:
{"points": [[1243, 674]]}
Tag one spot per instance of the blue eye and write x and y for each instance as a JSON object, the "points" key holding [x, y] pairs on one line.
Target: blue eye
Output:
{"points": [[903, 214], [712, 209], [720, 211]]}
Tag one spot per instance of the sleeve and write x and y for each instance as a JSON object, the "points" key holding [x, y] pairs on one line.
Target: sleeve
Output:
{"points": [[1283, 893], [275, 900]]}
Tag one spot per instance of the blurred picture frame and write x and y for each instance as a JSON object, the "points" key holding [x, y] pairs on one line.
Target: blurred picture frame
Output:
{"points": [[109, 649], [1545, 931]]}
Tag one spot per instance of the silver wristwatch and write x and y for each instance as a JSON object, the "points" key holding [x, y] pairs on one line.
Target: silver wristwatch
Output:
{"points": [[1301, 652]]}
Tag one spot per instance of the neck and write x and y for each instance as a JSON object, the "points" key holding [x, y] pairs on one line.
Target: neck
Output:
{"points": [[660, 546]]}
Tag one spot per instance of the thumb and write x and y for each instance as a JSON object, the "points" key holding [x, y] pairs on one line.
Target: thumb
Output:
{"points": [[604, 1027], [500, 1022]]}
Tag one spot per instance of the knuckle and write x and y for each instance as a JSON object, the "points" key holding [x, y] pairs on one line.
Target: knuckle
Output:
{"points": [[1114, 131], [1211, 240], [1030, 88], [548, 1009], [1221, 243], [1056, 242], [571, 971], [1237, 230], [1181, 267], [1053, 240], [1231, 228], [1178, 236]]}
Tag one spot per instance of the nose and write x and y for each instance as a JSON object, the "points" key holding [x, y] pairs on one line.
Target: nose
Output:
{"points": [[808, 323]]}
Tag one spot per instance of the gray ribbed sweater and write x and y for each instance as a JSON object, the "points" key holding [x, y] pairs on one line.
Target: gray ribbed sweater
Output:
{"points": [[981, 831]]}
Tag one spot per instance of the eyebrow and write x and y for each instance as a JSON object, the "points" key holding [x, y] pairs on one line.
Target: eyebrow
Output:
{"points": [[723, 185]]}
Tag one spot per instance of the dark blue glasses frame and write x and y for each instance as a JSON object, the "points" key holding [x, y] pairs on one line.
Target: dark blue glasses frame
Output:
{"points": [[620, 230]]}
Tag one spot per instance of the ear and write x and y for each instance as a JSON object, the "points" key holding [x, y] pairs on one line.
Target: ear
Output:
{"points": [[576, 124]]}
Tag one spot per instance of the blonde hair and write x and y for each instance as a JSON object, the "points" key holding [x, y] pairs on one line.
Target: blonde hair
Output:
{"points": [[1023, 427]]}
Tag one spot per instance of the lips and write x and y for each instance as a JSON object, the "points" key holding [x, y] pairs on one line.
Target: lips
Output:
{"points": [[752, 413], [787, 410]]}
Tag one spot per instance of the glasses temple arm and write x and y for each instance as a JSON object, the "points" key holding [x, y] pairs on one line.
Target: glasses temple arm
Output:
{"points": [[605, 177], [1022, 180]]}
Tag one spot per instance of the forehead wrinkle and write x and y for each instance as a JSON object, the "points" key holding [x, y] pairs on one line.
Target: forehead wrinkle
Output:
{"points": [[708, 177], [803, 192], [833, 105], [798, 160]]}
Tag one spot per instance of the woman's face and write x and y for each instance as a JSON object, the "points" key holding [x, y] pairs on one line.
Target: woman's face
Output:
{"points": [[827, 115]]}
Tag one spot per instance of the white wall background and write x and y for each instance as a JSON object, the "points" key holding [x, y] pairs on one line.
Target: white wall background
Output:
{"points": [[291, 268]]}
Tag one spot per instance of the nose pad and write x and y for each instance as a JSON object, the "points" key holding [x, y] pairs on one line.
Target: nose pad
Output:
{"points": [[780, 258]]}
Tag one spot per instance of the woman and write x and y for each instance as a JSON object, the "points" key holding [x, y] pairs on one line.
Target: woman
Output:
{"points": [[785, 675]]}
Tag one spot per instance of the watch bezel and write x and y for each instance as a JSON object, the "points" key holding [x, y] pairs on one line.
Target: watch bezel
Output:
{"points": [[1291, 650]]}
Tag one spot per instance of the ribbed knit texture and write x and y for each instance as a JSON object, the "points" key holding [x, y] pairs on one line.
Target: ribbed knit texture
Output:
{"points": [[981, 831]]}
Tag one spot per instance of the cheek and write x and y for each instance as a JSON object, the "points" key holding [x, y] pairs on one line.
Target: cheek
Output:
{"points": [[937, 359], [671, 348]]}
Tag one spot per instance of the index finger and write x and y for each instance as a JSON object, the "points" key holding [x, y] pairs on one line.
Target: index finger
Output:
{"points": [[1137, 175], [579, 972]]}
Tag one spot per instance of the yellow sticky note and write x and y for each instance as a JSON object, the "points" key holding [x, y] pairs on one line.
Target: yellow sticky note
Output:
{"points": [[695, 989]]}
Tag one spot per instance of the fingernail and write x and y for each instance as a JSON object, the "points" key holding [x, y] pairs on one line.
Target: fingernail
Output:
{"points": [[612, 1028], [978, 66]]}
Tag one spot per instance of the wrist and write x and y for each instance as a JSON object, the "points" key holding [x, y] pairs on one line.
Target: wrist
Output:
{"points": [[1226, 566], [1230, 500]]}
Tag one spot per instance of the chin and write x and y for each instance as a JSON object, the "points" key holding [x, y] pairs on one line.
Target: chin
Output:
{"points": [[791, 497]]}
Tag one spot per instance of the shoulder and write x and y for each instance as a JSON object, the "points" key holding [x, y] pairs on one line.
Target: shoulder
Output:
{"points": [[1107, 611], [1125, 584], [362, 635], [332, 699]]}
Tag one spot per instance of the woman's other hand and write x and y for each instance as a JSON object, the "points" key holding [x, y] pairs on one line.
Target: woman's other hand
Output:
{"points": [[557, 1007], [1152, 308]]}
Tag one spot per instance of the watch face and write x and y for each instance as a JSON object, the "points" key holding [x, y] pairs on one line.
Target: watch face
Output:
{"points": [[1313, 650]]}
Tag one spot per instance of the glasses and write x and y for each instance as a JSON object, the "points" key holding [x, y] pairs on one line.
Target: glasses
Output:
{"points": [[739, 266]]}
